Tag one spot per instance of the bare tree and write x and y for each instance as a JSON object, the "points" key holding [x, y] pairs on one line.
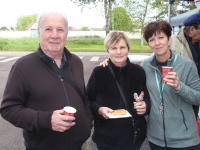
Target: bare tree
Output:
{"points": [[107, 8], [145, 11], [140, 12]]}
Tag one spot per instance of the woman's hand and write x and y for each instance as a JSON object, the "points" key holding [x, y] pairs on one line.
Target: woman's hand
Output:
{"points": [[104, 111], [172, 80], [104, 63], [140, 107]]}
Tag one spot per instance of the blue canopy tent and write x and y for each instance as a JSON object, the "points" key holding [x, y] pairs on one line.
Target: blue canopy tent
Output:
{"points": [[179, 19]]}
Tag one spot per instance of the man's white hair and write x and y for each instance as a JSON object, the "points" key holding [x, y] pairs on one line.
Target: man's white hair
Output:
{"points": [[49, 11]]}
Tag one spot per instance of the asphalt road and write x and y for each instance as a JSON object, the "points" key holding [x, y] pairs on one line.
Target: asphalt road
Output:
{"points": [[11, 137]]}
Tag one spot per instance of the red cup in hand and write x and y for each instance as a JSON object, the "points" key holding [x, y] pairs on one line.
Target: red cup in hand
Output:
{"points": [[165, 71], [69, 111]]}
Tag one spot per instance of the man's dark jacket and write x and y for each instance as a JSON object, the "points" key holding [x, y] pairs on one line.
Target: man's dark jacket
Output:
{"points": [[33, 91]]}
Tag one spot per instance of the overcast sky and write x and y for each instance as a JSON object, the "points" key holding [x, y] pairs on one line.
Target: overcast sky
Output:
{"points": [[11, 10]]}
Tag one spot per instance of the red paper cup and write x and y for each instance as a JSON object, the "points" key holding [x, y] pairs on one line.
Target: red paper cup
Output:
{"points": [[165, 71], [69, 111], [198, 125]]}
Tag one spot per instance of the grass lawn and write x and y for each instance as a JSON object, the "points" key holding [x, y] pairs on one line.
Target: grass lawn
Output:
{"points": [[73, 44]]}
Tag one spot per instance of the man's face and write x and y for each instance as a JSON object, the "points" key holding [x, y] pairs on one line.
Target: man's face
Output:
{"points": [[195, 34], [52, 32]]}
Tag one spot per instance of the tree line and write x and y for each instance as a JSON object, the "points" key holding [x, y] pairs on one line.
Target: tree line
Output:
{"points": [[123, 15]]}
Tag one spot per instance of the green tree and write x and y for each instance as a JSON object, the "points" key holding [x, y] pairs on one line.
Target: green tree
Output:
{"points": [[121, 20], [140, 12], [24, 21], [3, 28], [144, 11], [161, 9], [11, 28], [179, 7], [84, 28], [107, 4]]}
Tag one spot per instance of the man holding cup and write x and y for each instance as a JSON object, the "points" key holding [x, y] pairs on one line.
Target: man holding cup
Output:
{"points": [[36, 93]]}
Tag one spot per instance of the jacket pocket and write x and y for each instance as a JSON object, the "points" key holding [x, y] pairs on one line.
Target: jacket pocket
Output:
{"points": [[184, 119], [139, 131], [30, 138]]}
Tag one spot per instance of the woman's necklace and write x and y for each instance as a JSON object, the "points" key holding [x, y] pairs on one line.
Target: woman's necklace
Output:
{"points": [[162, 85], [160, 64]]}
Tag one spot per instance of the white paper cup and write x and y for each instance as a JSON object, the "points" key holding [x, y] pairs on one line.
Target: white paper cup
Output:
{"points": [[69, 111]]}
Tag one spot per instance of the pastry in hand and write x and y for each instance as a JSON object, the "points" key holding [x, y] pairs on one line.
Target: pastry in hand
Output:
{"points": [[119, 112]]}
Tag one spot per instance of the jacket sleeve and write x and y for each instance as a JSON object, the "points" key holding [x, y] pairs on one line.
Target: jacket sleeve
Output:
{"points": [[91, 90], [175, 45], [146, 98], [78, 75], [13, 106], [87, 107], [190, 90]]}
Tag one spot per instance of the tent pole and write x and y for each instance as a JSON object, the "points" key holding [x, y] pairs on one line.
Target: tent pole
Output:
{"points": [[169, 11]]}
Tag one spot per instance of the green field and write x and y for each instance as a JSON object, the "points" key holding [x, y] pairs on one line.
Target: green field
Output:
{"points": [[74, 45]]}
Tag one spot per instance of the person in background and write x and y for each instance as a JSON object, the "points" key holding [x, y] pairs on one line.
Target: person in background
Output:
{"points": [[171, 123], [104, 96], [35, 95], [187, 43]]}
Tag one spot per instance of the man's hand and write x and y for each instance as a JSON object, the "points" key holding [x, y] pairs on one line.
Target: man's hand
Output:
{"points": [[60, 122], [104, 111], [104, 63], [140, 107]]}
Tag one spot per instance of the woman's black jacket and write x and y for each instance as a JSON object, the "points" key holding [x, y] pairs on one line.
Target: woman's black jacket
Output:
{"points": [[103, 92]]}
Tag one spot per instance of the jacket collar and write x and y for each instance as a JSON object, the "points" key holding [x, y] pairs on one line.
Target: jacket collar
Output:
{"points": [[68, 55], [181, 37], [169, 62], [120, 69]]}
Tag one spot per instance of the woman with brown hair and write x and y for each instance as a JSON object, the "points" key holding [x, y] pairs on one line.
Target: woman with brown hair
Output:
{"points": [[171, 123]]}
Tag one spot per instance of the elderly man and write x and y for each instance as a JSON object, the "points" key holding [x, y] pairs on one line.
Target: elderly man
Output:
{"points": [[187, 43], [35, 93]]}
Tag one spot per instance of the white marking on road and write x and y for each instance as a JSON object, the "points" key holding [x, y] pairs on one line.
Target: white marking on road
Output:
{"points": [[2, 57], [95, 58], [9, 59], [80, 57]]}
